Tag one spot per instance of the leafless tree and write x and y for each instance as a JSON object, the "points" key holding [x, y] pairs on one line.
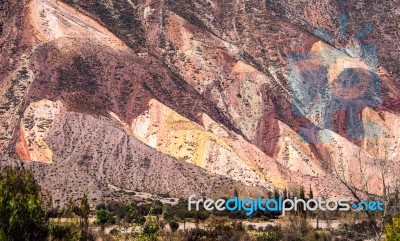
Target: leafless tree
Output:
{"points": [[379, 157]]}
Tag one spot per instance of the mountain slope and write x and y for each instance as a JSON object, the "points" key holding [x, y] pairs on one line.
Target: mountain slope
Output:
{"points": [[213, 95]]}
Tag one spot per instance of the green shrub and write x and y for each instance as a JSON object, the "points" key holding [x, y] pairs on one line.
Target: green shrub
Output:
{"points": [[102, 217], [22, 210], [65, 232], [392, 231], [264, 218], [174, 226], [269, 236], [319, 235], [150, 230]]}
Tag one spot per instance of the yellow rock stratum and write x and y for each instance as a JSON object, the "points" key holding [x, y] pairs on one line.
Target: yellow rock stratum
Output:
{"points": [[210, 146], [35, 124]]}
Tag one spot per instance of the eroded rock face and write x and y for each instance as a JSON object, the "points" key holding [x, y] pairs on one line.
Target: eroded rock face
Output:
{"points": [[119, 160], [122, 161], [210, 146], [383, 124], [195, 96], [35, 124]]}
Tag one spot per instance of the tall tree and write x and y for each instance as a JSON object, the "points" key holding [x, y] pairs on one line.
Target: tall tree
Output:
{"points": [[22, 210], [235, 193], [276, 194], [285, 194], [302, 195], [84, 211]]}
